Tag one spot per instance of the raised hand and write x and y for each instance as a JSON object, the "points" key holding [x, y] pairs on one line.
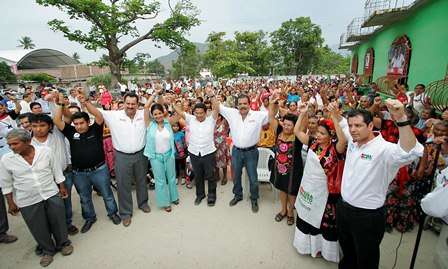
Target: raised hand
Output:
{"points": [[396, 109], [377, 100], [303, 108], [273, 99]]}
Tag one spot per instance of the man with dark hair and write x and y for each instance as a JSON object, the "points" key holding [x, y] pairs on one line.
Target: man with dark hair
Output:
{"points": [[202, 147], [25, 103], [245, 126], [24, 120], [44, 134], [371, 165], [7, 124], [87, 140], [36, 108], [36, 172], [128, 137]]}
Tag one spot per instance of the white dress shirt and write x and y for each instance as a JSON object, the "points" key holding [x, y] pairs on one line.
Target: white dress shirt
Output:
{"points": [[202, 140], [57, 143], [244, 133], [128, 136], [370, 169], [31, 183]]}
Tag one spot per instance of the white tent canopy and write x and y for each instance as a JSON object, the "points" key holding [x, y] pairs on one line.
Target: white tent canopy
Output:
{"points": [[36, 58]]}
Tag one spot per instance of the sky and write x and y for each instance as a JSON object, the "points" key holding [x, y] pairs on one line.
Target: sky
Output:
{"points": [[20, 18]]}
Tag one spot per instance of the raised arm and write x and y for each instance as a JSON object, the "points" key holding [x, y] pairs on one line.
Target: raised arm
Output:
{"points": [[214, 102], [147, 107], [273, 110], [84, 99], [17, 105], [299, 128], [57, 117], [333, 108], [406, 135]]}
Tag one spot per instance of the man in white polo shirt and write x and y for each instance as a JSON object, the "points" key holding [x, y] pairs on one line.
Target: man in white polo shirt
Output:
{"points": [[370, 166], [245, 126], [128, 131], [202, 147]]}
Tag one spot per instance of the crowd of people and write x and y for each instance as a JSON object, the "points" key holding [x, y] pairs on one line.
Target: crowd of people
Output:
{"points": [[352, 165]]}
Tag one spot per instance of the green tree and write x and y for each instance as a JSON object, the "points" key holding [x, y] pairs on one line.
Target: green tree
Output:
{"points": [[295, 45], [155, 67], [76, 56], [224, 58], [111, 20], [26, 43], [330, 62], [255, 47], [6, 75], [187, 64]]}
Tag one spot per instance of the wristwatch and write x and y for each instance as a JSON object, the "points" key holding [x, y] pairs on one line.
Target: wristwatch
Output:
{"points": [[403, 123], [60, 104]]}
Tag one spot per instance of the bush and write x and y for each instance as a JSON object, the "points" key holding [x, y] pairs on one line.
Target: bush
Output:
{"points": [[5, 73], [38, 78], [106, 79]]}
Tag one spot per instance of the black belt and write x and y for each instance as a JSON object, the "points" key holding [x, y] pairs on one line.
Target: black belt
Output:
{"points": [[247, 149], [129, 153], [357, 209], [91, 169]]}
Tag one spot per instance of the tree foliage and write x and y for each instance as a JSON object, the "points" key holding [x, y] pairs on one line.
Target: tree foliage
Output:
{"points": [[76, 57], [330, 62], [224, 58], [113, 19], [5, 73], [188, 64], [295, 45], [38, 77], [254, 46], [26, 43]]}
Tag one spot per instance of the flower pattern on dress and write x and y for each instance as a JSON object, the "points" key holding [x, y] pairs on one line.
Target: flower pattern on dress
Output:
{"points": [[283, 158]]}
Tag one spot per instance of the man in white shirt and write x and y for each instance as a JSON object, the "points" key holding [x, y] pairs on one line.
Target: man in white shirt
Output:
{"points": [[128, 132], [245, 126], [122, 88], [202, 147], [371, 164], [72, 97], [33, 175], [25, 103]]}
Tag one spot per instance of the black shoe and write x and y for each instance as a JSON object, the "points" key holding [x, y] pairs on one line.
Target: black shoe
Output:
{"points": [[116, 219], [72, 230], [235, 201], [211, 201], [86, 227], [198, 200], [254, 207]]}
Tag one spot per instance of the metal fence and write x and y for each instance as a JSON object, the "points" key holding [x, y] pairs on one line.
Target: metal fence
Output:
{"points": [[373, 6]]}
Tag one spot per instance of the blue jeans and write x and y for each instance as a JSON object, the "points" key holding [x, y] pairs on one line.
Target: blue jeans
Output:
{"points": [[99, 178], [68, 184], [249, 159]]}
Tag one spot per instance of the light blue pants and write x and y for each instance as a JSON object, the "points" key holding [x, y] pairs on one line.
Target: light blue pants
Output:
{"points": [[164, 169]]}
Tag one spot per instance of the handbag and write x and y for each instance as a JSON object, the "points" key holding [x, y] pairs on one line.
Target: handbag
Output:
{"points": [[334, 176]]}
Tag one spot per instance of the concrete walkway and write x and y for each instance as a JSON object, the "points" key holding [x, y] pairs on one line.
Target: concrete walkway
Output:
{"points": [[195, 237]]}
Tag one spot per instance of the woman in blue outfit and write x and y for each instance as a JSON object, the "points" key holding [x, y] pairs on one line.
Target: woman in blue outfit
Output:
{"points": [[160, 151]]}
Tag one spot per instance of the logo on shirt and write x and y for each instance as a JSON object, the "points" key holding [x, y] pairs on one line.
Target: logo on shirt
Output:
{"points": [[76, 136], [124, 120], [366, 157]]}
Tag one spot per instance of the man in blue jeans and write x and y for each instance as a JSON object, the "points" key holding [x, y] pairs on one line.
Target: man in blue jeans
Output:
{"points": [[245, 126], [86, 141]]}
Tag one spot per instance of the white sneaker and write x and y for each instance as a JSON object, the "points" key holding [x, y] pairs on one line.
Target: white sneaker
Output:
{"points": [[152, 181], [182, 182]]}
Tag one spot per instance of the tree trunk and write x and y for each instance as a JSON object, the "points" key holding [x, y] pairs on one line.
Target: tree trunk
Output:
{"points": [[115, 61]]}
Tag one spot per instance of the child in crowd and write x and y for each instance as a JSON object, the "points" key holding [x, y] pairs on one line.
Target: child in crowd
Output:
{"points": [[181, 152]]}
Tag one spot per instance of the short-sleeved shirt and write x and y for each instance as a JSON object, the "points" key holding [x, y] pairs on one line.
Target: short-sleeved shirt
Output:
{"points": [[86, 149]]}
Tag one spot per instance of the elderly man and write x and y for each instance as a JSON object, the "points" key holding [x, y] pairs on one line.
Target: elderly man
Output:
{"points": [[128, 137], [370, 167], [33, 175], [44, 134], [87, 141], [245, 126]]}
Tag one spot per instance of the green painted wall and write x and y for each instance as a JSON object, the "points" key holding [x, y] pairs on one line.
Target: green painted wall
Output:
{"points": [[427, 29]]}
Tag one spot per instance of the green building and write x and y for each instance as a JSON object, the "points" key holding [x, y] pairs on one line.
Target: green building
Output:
{"points": [[401, 40]]}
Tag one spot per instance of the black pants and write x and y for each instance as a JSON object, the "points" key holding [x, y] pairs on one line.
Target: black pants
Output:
{"points": [[204, 169], [3, 217], [360, 232]]}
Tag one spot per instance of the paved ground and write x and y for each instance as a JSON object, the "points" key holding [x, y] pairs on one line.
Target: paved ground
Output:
{"points": [[195, 237]]}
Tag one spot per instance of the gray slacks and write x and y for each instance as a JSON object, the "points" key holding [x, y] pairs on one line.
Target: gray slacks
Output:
{"points": [[129, 167], [46, 219]]}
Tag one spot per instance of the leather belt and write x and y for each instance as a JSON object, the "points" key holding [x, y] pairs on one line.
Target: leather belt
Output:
{"points": [[247, 149], [91, 169], [357, 209]]}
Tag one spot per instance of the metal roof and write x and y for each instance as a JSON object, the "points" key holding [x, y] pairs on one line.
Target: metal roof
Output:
{"points": [[36, 58]]}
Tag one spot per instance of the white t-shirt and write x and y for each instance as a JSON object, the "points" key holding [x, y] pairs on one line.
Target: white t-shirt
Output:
{"points": [[163, 139], [202, 140]]}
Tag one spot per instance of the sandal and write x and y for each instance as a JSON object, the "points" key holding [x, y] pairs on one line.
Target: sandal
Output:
{"points": [[168, 208], [46, 260], [176, 202], [224, 181], [290, 220], [279, 217]]}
